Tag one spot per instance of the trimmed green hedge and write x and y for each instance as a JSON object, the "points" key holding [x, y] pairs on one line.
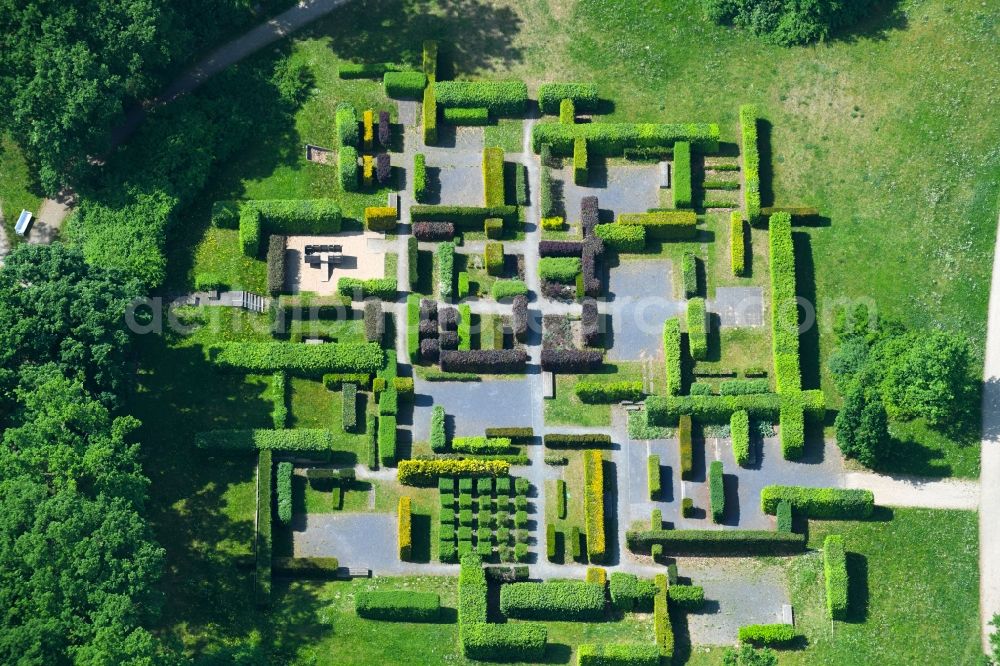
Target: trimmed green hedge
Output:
{"points": [[426, 472], [672, 355], [739, 430], [419, 177], [598, 393], [697, 329], [429, 116], [381, 288], [653, 476], [717, 491], [573, 601], [630, 593], [481, 445], [404, 85], [835, 572], [279, 395], [665, 410], [593, 504], [470, 117], [446, 270], [580, 170], [398, 605], [716, 542], [559, 269], [262, 575], [567, 112], [430, 58], [664, 224], [689, 274], [387, 440], [621, 237], [751, 162], [493, 257], [299, 440], [583, 95], [306, 360], [662, 629], [493, 184], [285, 492], [618, 654], [468, 217], [820, 503], [502, 98], [557, 440], [684, 435], [261, 218], [687, 597], [737, 244], [744, 386], [346, 121], [682, 175], [784, 307], [508, 289], [612, 139], [347, 168], [768, 634], [784, 516]]}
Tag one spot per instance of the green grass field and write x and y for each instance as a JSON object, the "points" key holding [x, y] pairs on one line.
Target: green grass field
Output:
{"points": [[16, 187]]}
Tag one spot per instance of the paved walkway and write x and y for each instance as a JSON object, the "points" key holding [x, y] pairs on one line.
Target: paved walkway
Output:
{"points": [[989, 476], [917, 492]]}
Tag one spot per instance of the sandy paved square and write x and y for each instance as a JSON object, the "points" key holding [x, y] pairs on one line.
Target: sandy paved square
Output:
{"points": [[359, 261]]}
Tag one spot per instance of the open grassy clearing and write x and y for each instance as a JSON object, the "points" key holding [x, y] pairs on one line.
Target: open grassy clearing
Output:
{"points": [[567, 409], [17, 191]]}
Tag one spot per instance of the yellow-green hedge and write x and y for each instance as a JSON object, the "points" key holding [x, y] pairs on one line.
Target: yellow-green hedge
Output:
{"points": [[593, 504], [405, 515]]}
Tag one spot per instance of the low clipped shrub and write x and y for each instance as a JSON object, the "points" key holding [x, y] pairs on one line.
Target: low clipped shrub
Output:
{"points": [[387, 440], [464, 326], [618, 654], [687, 597], [368, 129], [503, 98], [662, 629], [567, 111], [263, 217], [589, 214], [546, 197], [333, 381], [388, 401], [621, 237], [820, 503], [492, 361], [275, 264], [550, 542], [663, 224], [751, 162], [739, 430], [559, 269], [398, 605], [784, 305], [737, 244], [717, 491], [672, 355], [493, 226], [572, 360], [612, 139], [419, 178], [559, 600], [697, 329], [405, 528], [446, 270], [493, 184], [384, 134], [682, 175], [481, 445], [503, 289], [689, 274], [770, 635], [347, 168], [835, 573], [520, 317], [383, 288], [428, 116], [503, 642], [684, 435], [404, 85], [653, 474], [784, 516], [380, 218], [550, 248], [426, 472], [468, 117], [580, 170], [582, 95], [593, 504], [346, 121], [494, 258], [556, 440], [665, 410], [430, 350], [716, 542], [383, 166], [350, 407], [599, 393], [792, 430], [469, 217], [298, 359], [413, 262], [630, 593], [744, 386], [434, 231], [374, 320], [371, 441], [590, 323], [284, 482], [511, 433]]}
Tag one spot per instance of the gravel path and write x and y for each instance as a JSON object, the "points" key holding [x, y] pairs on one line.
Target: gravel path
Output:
{"points": [[916, 491], [989, 476]]}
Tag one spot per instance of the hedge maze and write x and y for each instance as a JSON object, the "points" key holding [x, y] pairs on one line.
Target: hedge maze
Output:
{"points": [[468, 281]]}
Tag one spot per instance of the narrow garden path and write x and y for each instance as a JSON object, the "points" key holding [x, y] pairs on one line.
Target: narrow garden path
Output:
{"points": [[989, 475]]}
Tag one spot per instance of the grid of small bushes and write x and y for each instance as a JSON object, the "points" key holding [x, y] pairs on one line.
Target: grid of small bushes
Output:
{"points": [[485, 516]]}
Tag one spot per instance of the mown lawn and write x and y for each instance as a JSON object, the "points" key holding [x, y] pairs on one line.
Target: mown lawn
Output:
{"points": [[16, 186], [567, 409]]}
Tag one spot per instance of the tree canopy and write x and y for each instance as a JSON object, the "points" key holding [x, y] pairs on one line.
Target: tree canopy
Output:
{"points": [[787, 22]]}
